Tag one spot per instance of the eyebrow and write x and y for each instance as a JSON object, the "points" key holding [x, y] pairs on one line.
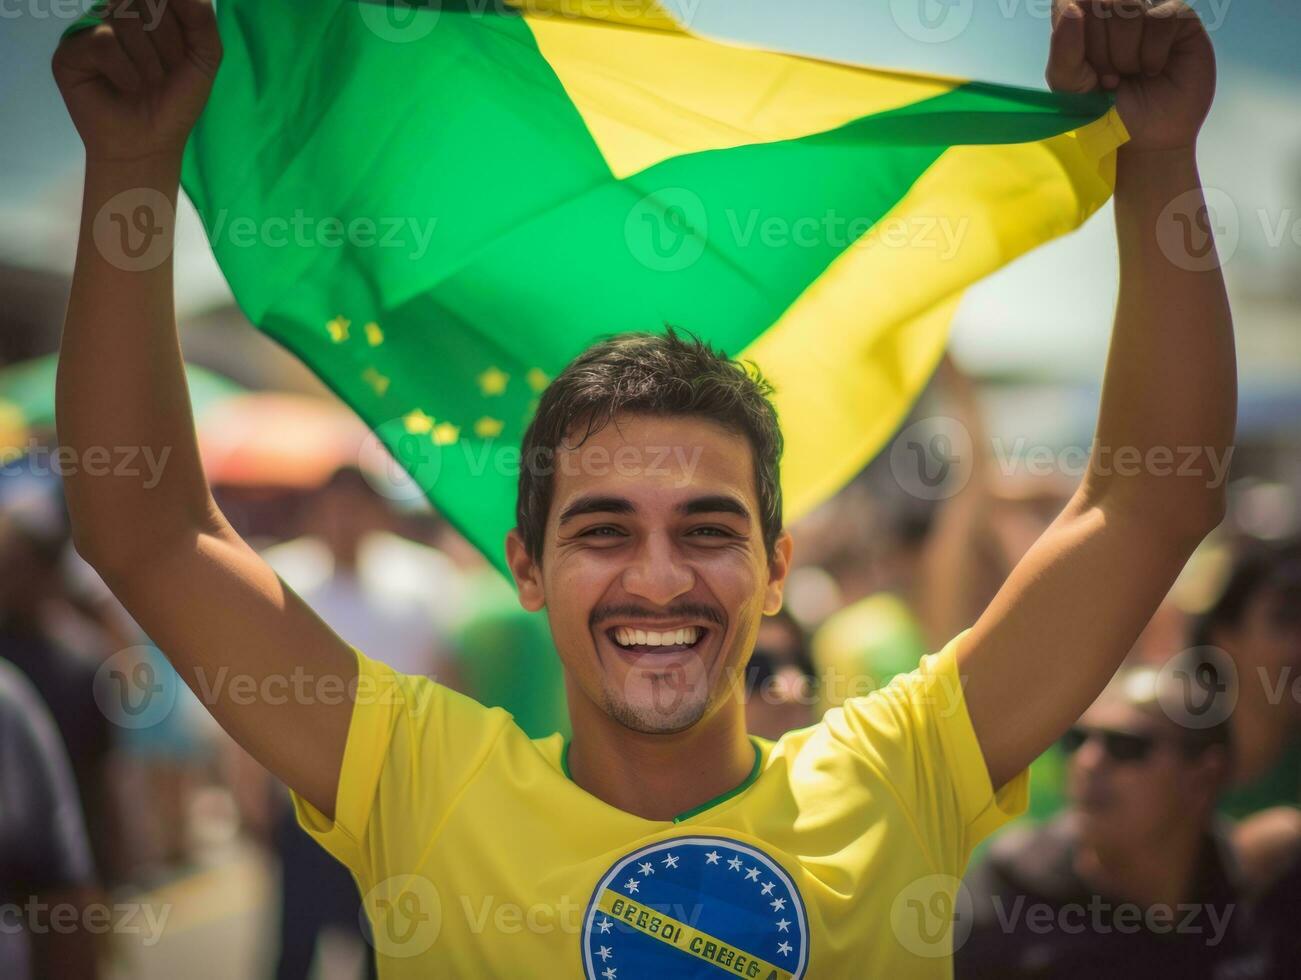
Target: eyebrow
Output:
{"points": [[604, 504]]}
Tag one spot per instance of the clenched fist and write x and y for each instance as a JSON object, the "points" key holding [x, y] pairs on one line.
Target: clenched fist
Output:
{"points": [[1156, 57], [135, 84]]}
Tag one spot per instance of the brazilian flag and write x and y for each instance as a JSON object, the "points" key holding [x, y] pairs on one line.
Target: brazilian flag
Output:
{"points": [[437, 205]]}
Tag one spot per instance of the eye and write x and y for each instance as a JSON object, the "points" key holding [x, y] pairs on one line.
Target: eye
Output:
{"points": [[594, 532], [720, 532]]}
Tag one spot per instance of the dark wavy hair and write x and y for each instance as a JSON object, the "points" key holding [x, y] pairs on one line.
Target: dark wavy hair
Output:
{"points": [[668, 374]]}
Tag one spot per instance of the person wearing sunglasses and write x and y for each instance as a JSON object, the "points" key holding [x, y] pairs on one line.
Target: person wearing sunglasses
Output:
{"points": [[779, 679], [1136, 878]]}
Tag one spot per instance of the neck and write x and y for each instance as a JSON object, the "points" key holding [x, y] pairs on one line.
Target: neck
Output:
{"points": [[346, 550], [1149, 872], [658, 777]]}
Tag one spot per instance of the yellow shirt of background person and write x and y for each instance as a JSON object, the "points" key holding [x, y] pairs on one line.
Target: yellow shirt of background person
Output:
{"points": [[839, 857], [864, 646]]}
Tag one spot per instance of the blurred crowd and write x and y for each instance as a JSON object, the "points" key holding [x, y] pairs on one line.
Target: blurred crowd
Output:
{"points": [[1163, 839]]}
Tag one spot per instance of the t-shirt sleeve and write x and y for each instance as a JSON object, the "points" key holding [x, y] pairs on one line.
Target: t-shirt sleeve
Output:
{"points": [[918, 734], [412, 747]]}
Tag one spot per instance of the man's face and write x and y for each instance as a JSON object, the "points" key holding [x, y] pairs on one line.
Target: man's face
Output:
{"points": [[1144, 787], [654, 575]]}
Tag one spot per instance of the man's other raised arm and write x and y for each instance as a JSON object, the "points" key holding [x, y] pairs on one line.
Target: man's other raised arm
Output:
{"points": [[1072, 609]]}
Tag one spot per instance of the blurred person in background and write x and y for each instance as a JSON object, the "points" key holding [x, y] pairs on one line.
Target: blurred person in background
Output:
{"points": [[937, 565], [1137, 878], [1257, 622], [506, 658], [334, 566], [1276, 909], [780, 681], [46, 867], [53, 643]]}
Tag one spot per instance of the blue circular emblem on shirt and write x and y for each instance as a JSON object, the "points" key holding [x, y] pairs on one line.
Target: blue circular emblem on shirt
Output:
{"points": [[692, 906]]}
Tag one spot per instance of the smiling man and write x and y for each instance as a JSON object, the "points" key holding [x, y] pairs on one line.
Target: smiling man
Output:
{"points": [[663, 840]]}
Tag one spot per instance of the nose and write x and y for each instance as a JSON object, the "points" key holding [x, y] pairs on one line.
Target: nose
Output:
{"points": [[657, 572], [1090, 757]]}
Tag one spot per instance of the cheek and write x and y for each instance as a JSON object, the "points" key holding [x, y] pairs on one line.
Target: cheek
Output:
{"points": [[734, 577]]}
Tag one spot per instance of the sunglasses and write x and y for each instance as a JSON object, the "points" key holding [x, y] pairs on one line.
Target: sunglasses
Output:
{"points": [[1119, 746]]}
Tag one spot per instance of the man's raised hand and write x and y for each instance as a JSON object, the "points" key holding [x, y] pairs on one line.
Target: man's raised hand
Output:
{"points": [[136, 83], [1157, 58]]}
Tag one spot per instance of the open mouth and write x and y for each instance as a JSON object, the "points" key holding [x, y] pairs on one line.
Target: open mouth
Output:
{"points": [[639, 641]]}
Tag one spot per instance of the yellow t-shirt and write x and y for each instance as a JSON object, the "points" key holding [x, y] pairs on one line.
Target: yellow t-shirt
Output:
{"points": [[839, 857]]}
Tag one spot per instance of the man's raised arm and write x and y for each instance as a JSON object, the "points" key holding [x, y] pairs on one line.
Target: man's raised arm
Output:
{"points": [[204, 597], [1073, 607]]}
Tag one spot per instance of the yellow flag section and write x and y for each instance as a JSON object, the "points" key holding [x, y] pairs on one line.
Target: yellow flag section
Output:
{"points": [[847, 360], [872, 350]]}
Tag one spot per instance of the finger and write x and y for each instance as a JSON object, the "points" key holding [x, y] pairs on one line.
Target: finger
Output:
{"points": [[199, 27], [1159, 34], [168, 40], [101, 53], [129, 27], [1125, 36], [1068, 69], [1098, 51]]}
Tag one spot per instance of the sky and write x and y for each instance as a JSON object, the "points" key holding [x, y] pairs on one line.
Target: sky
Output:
{"points": [[1048, 314]]}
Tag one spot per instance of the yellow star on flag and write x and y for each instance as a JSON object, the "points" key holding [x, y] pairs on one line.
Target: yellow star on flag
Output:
{"points": [[493, 381], [374, 335], [537, 379], [487, 427], [417, 422], [445, 434], [338, 328], [375, 380]]}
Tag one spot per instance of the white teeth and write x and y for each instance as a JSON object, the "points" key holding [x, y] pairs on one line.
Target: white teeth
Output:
{"points": [[626, 636]]}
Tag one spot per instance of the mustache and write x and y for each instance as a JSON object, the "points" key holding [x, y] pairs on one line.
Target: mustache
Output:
{"points": [[685, 610]]}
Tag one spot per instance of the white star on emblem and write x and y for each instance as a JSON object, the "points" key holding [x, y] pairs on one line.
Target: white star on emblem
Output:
{"points": [[712, 857], [605, 925], [785, 948], [608, 973], [632, 885], [734, 864], [783, 925], [752, 874], [768, 886], [645, 868], [671, 861], [778, 904], [605, 952]]}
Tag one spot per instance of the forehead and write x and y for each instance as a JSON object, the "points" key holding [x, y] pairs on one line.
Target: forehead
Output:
{"points": [[1115, 713], [655, 462]]}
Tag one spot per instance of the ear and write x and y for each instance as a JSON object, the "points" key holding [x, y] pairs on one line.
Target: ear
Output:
{"points": [[526, 572], [779, 567]]}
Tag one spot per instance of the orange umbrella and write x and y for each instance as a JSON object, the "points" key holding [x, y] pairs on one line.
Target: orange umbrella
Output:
{"points": [[277, 439]]}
